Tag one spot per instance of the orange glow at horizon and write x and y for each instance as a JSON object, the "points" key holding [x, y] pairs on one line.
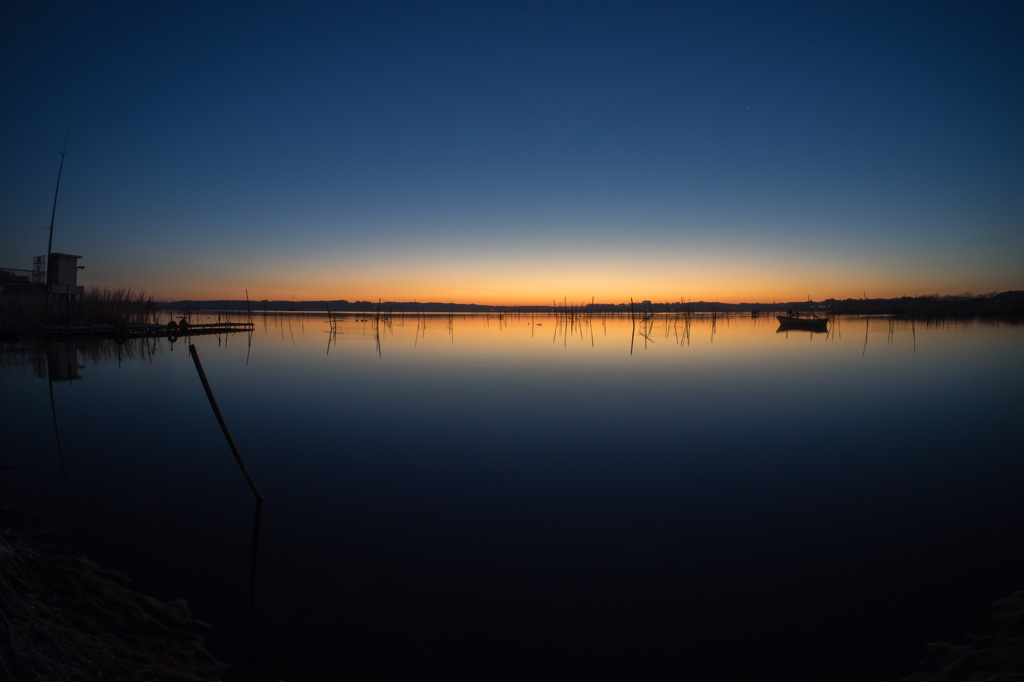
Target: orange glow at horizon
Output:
{"points": [[537, 279], [497, 295]]}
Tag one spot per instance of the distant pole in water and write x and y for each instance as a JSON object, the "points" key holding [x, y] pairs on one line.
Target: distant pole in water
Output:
{"points": [[49, 247]]}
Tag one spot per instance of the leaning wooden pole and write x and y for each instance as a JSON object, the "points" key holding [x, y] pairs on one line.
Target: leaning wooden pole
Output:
{"points": [[49, 245], [223, 425], [53, 214]]}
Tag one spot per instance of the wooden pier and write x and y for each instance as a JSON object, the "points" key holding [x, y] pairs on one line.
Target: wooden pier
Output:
{"points": [[172, 330]]}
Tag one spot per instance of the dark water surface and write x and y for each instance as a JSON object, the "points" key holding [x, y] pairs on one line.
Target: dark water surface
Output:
{"points": [[520, 497]]}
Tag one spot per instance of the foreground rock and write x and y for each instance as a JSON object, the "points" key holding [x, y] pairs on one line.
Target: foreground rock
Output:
{"points": [[998, 657], [63, 618]]}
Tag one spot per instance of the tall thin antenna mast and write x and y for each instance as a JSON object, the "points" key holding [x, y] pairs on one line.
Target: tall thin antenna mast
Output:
{"points": [[49, 247]]}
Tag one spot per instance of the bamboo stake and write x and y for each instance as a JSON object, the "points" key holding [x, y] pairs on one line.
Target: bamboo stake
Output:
{"points": [[223, 425]]}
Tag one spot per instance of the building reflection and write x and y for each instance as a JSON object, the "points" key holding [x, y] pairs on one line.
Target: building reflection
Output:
{"points": [[62, 361]]}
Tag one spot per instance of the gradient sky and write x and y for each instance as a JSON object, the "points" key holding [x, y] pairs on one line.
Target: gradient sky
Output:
{"points": [[518, 152]]}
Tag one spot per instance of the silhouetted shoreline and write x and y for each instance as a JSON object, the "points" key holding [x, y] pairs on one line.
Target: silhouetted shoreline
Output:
{"points": [[1007, 303], [26, 312]]}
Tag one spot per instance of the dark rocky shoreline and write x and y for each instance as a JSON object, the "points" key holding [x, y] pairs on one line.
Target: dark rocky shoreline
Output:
{"points": [[64, 618], [996, 657]]}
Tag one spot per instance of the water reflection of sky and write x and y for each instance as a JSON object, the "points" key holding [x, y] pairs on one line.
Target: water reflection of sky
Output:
{"points": [[488, 492]]}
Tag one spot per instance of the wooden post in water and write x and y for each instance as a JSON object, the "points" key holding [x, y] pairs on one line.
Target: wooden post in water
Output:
{"points": [[223, 425]]}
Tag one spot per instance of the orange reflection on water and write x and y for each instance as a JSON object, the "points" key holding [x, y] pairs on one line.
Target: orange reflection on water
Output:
{"points": [[518, 337]]}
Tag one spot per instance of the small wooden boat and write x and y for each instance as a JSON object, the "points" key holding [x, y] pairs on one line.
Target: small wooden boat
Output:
{"points": [[814, 324]]}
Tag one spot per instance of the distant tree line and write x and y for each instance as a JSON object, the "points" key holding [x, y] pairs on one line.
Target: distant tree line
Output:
{"points": [[1005, 303]]}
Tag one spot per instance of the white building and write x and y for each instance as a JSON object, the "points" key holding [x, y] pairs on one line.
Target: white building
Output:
{"points": [[62, 274]]}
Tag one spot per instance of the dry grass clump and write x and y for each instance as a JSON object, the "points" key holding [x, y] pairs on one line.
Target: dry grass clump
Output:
{"points": [[117, 306], [29, 309], [22, 311]]}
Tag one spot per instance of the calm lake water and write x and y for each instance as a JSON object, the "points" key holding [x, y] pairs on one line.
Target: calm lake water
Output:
{"points": [[525, 497]]}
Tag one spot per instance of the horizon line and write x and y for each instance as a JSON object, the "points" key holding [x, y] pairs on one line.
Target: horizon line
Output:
{"points": [[592, 303]]}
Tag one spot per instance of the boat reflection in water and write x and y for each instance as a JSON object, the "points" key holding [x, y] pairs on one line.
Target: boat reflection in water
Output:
{"points": [[812, 324]]}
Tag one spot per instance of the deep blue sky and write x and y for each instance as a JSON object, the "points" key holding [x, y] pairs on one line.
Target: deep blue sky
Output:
{"points": [[519, 152]]}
